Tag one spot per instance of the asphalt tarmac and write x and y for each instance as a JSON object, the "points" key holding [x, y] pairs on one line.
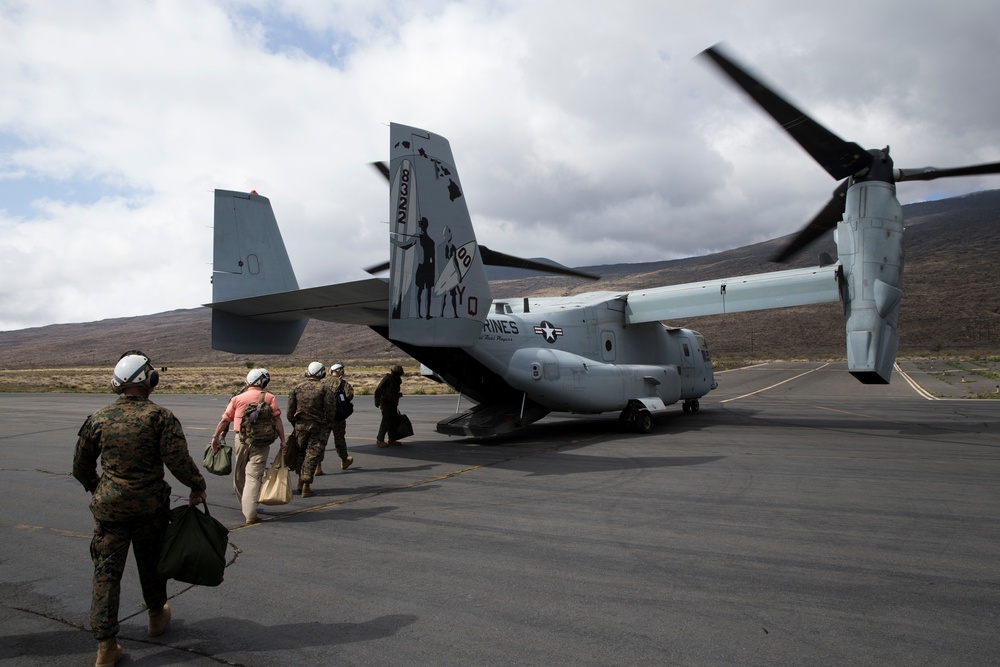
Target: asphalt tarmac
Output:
{"points": [[798, 518]]}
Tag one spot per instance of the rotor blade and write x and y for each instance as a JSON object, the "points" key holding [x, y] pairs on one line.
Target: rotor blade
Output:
{"points": [[383, 169], [930, 173], [378, 268], [821, 223], [494, 258], [838, 157]]}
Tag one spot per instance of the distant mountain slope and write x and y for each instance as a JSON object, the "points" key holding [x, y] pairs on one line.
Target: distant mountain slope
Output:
{"points": [[950, 303]]}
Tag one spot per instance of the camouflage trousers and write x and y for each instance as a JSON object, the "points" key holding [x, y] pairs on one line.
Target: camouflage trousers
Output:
{"points": [[109, 550], [340, 437], [312, 439]]}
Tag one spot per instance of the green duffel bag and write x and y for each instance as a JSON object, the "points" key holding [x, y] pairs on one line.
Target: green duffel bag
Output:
{"points": [[220, 461], [194, 547]]}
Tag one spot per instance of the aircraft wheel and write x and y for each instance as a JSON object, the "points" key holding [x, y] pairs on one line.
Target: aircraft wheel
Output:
{"points": [[644, 421], [695, 406], [686, 406]]}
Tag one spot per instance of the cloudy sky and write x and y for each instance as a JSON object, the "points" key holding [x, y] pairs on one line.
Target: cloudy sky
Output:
{"points": [[585, 131]]}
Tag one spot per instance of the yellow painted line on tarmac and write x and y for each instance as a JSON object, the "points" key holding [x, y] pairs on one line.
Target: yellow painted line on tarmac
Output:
{"points": [[344, 501], [741, 368], [57, 531], [855, 414], [916, 387], [430, 480], [777, 384]]}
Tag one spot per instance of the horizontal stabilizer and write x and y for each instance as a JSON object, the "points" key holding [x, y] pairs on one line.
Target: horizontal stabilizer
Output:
{"points": [[257, 307], [359, 302]]}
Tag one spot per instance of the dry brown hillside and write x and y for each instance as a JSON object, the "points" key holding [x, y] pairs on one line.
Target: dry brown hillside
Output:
{"points": [[950, 305]]}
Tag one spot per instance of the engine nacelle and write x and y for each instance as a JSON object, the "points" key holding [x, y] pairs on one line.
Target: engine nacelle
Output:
{"points": [[870, 248]]}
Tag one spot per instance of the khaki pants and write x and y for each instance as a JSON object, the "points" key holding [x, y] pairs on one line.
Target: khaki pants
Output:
{"points": [[248, 470]]}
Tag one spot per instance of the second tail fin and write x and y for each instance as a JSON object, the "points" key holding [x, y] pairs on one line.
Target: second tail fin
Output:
{"points": [[250, 260]]}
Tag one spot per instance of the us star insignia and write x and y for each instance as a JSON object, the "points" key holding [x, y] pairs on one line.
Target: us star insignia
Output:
{"points": [[548, 331]]}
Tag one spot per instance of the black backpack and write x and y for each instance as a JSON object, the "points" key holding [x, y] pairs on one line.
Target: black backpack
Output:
{"points": [[345, 408]]}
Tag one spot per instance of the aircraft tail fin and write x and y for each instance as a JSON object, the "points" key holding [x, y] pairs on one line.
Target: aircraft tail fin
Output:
{"points": [[439, 292], [250, 260]]}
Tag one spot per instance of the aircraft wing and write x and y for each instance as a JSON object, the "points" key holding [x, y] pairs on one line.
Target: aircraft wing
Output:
{"points": [[360, 302], [763, 291]]}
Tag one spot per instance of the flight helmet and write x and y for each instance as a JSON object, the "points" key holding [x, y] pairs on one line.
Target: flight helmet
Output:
{"points": [[337, 368], [258, 377], [315, 370], [134, 369]]}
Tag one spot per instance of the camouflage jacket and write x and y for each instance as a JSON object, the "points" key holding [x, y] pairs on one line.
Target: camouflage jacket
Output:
{"points": [[134, 438], [312, 401], [340, 384]]}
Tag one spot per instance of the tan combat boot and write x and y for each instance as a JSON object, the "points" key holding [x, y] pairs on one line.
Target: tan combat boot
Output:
{"points": [[158, 621], [346, 462], [319, 470], [307, 491], [109, 652]]}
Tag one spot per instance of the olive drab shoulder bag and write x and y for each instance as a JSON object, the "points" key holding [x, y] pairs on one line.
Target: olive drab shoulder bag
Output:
{"points": [[219, 461], [194, 547]]}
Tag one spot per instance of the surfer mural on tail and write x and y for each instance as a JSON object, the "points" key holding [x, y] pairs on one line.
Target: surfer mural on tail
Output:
{"points": [[434, 256]]}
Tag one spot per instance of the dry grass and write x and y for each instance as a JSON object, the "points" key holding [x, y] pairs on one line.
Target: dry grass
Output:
{"points": [[204, 380], [983, 371]]}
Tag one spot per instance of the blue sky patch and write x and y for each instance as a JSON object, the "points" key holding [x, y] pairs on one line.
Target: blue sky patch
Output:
{"points": [[17, 194], [286, 33]]}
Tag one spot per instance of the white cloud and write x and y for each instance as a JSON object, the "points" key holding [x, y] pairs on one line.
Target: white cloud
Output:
{"points": [[585, 132]]}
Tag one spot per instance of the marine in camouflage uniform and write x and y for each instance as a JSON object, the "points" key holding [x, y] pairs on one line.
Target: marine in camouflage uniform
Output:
{"points": [[133, 438], [311, 409], [339, 427]]}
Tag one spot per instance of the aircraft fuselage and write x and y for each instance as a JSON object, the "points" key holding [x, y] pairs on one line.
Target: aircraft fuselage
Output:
{"points": [[582, 357]]}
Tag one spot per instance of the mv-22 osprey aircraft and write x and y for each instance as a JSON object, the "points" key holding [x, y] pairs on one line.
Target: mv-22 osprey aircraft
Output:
{"points": [[520, 359]]}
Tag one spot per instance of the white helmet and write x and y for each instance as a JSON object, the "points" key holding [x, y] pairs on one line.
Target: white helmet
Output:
{"points": [[134, 370], [315, 370], [337, 367], [258, 377]]}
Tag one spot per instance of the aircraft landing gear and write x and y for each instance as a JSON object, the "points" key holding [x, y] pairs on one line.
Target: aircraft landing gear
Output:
{"points": [[636, 418], [690, 406], [643, 422]]}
